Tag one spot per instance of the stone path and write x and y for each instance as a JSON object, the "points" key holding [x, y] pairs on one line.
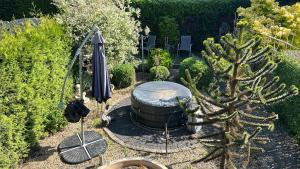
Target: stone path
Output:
{"points": [[132, 135]]}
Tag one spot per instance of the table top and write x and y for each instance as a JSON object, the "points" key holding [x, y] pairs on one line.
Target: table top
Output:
{"points": [[161, 93]]}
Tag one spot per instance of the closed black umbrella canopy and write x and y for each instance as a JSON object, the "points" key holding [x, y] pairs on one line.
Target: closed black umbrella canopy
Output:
{"points": [[101, 83]]}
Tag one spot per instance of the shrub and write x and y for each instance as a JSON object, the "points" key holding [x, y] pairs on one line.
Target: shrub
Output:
{"points": [[159, 73], [289, 72], [168, 27], [33, 63], [115, 20], [198, 18], [196, 66], [123, 75], [159, 57], [268, 18]]}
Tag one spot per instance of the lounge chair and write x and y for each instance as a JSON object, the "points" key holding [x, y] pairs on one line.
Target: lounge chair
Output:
{"points": [[185, 44], [150, 44]]}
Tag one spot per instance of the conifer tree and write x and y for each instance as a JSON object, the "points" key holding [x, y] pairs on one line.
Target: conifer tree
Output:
{"points": [[234, 103]]}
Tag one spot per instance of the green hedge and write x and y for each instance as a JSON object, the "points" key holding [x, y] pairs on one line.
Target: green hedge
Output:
{"points": [[33, 65], [20, 8], [196, 66], [123, 75], [198, 18], [159, 73], [289, 111]]}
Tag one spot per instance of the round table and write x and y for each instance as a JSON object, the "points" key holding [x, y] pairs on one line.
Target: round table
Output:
{"points": [[154, 104]]}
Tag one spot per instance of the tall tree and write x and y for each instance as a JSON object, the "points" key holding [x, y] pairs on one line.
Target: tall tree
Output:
{"points": [[235, 101]]}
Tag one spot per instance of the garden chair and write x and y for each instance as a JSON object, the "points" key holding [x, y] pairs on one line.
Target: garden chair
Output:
{"points": [[150, 44], [185, 44]]}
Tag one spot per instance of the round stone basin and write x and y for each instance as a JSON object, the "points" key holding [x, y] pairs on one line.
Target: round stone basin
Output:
{"points": [[154, 104], [134, 163]]}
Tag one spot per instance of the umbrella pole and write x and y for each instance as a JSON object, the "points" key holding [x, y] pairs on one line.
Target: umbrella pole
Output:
{"points": [[81, 96]]}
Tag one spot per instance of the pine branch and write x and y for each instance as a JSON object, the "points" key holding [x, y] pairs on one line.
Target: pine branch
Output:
{"points": [[227, 40], [271, 83], [248, 44], [261, 140], [257, 149], [270, 126], [191, 85], [273, 117], [245, 56], [205, 105], [293, 91], [258, 56], [277, 91], [248, 154], [225, 72], [255, 133], [214, 120], [211, 141], [269, 67]]}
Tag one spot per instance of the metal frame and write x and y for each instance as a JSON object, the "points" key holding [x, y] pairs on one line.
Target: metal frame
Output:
{"points": [[79, 55]]}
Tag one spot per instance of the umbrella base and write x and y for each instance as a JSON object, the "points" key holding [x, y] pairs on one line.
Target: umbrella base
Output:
{"points": [[73, 151]]}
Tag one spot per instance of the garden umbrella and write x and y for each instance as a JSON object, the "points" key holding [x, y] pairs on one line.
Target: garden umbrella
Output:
{"points": [[101, 90], [88, 144]]}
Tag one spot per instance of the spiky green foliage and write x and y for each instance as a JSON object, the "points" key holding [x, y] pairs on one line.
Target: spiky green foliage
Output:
{"points": [[235, 100]]}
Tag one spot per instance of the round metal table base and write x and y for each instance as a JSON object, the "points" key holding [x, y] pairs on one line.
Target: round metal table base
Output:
{"points": [[72, 150]]}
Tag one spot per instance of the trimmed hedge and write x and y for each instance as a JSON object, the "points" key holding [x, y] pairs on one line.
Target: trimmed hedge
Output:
{"points": [[160, 57], [198, 18], [168, 27], [289, 111], [23, 8], [123, 75], [196, 66], [33, 64], [158, 73]]}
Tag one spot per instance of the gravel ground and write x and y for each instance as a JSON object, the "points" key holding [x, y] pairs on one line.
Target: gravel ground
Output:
{"points": [[282, 153], [47, 157]]}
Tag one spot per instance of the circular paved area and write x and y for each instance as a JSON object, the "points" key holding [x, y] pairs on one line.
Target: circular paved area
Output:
{"points": [[132, 135]]}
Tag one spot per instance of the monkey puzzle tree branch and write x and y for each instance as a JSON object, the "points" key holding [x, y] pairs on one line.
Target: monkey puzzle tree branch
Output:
{"points": [[273, 117], [214, 120]]}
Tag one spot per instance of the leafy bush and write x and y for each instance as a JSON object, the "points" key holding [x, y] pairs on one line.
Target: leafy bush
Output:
{"points": [[33, 63], [115, 20], [159, 57], [196, 66], [123, 75], [159, 73], [168, 27], [268, 18], [198, 18], [289, 72]]}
